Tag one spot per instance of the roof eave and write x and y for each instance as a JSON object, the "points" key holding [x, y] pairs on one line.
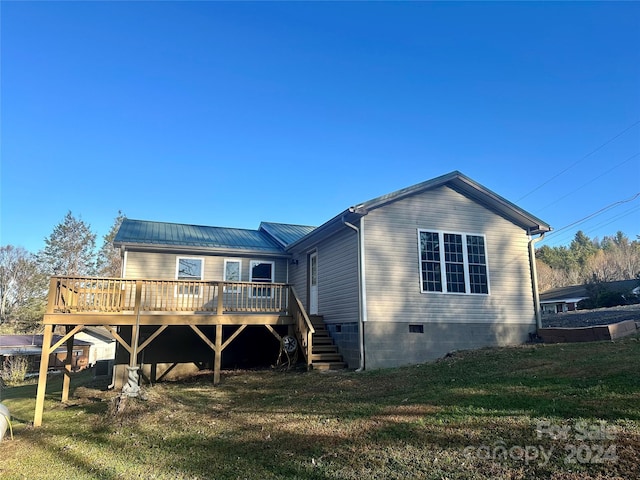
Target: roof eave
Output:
{"points": [[329, 227], [185, 249]]}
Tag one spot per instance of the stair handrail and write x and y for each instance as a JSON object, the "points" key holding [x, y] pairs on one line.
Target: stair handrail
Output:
{"points": [[302, 326]]}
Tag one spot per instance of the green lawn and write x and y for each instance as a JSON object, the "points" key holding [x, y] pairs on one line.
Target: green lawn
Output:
{"points": [[539, 411]]}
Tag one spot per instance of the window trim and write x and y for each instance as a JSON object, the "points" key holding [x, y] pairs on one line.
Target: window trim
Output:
{"points": [[443, 263], [199, 291]]}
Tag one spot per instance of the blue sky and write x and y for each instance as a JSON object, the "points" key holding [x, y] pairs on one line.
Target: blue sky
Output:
{"points": [[228, 114]]}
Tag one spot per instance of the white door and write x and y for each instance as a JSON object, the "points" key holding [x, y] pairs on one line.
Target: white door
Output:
{"points": [[313, 283]]}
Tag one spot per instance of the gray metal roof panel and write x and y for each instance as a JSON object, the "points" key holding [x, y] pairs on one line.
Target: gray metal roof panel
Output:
{"points": [[285, 233], [142, 232]]}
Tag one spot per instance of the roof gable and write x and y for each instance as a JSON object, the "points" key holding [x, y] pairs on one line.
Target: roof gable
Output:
{"points": [[455, 180], [471, 189]]}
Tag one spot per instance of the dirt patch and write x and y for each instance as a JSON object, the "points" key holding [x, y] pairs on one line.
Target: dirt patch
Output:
{"points": [[588, 318]]}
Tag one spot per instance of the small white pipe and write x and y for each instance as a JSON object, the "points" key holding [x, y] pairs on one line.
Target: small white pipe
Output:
{"points": [[534, 279]]}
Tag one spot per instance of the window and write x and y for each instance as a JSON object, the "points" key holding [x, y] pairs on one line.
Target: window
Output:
{"points": [[232, 269], [453, 263], [232, 273], [189, 269], [416, 328], [261, 272]]}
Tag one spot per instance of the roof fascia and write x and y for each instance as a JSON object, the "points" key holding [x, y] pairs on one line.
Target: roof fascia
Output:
{"points": [[158, 248]]}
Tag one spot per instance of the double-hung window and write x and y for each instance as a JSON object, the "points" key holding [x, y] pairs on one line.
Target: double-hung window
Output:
{"points": [[453, 262], [232, 273], [189, 269], [261, 271]]}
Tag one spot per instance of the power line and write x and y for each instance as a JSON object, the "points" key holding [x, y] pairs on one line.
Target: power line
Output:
{"points": [[580, 160], [591, 181], [567, 235], [594, 214], [618, 217]]}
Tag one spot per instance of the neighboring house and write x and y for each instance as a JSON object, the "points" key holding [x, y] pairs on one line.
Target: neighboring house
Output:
{"points": [[30, 346], [400, 279], [103, 345], [566, 299]]}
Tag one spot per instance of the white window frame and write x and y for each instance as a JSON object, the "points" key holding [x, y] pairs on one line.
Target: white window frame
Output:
{"points": [[198, 292], [252, 263], [443, 263], [224, 273]]}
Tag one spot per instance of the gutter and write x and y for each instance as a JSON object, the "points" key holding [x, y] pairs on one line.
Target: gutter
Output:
{"points": [[534, 279], [362, 305]]}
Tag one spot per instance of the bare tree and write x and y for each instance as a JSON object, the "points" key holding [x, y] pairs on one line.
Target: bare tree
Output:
{"points": [[22, 288]]}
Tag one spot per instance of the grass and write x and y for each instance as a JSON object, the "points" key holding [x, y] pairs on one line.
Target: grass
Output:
{"points": [[471, 416]]}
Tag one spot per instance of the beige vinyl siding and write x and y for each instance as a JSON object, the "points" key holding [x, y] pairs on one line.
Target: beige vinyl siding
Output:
{"points": [[393, 285], [337, 276], [298, 277], [162, 266]]}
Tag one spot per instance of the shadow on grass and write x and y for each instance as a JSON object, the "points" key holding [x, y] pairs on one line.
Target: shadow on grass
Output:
{"points": [[319, 426]]}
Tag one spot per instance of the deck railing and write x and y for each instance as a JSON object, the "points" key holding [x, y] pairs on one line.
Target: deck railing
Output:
{"points": [[302, 325], [114, 295]]}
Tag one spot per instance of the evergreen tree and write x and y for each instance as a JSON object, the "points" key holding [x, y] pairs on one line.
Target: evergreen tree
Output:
{"points": [[70, 249], [109, 262]]}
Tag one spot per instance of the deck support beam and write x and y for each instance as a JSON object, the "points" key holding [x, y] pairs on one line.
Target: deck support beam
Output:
{"points": [[66, 381], [42, 377]]}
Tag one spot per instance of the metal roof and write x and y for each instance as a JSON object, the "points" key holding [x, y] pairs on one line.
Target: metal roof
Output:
{"points": [[148, 233], [581, 291], [35, 340], [274, 238], [285, 233]]}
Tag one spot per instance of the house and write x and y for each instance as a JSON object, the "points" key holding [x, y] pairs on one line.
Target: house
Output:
{"points": [[566, 299], [30, 346], [403, 278], [400, 279], [103, 344]]}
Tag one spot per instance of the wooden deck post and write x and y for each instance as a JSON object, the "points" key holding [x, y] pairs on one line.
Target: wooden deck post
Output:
{"points": [[217, 361], [66, 381], [42, 377]]}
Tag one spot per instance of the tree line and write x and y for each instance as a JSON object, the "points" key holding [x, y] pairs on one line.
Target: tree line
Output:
{"points": [[588, 261], [69, 250]]}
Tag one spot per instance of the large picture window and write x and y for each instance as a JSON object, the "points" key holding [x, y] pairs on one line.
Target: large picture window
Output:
{"points": [[189, 268], [453, 263]]}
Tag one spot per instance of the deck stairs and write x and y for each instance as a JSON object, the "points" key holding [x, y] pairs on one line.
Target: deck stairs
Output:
{"points": [[325, 354]]}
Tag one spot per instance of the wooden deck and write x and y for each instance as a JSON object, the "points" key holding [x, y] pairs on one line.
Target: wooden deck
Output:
{"points": [[78, 302]]}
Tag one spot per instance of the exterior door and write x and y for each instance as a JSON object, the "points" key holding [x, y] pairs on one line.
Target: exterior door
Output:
{"points": [[313, 283]]}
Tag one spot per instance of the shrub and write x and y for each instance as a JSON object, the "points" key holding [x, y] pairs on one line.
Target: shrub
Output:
{"points": [[14, 370]]}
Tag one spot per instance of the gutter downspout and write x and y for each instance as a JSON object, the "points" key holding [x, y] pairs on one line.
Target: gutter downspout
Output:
{"points": [[534, 279], [362, 311]]}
